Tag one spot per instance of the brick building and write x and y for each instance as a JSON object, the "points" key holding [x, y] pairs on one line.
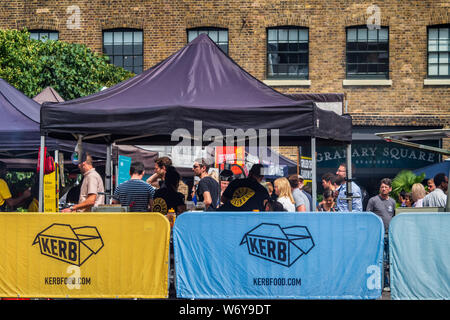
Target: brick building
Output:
{"points": [[390, 59]]}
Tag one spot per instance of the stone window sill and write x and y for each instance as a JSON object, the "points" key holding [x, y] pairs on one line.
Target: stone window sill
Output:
{"points": [[287, 83], [367, 82], [436, 82]]}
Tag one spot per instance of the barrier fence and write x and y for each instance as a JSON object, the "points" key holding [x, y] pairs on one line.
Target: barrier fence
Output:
{"points": [[419, 248], [84, 255], [278, 255], [222, 255]]}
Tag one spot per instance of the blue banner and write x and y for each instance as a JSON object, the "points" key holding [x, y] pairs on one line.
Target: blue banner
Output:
{"points": [[124, 165], [419, 249], [278, 255]]}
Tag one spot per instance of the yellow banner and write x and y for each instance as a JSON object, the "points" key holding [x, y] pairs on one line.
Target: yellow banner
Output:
{"points": [[51, 192], [84, 255]]}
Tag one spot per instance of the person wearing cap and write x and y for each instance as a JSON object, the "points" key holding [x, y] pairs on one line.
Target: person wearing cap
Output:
{"points": [[92, 189], [247, 194], [6, 198]]}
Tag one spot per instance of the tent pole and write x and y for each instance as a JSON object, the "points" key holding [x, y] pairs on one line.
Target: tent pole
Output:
{"points": [[41, 175], [349, 177], [57, 180], [314, 174], [447, 205], [108, 173]]}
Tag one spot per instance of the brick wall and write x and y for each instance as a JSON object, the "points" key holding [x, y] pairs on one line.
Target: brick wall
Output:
{"points": [[406, 102]]}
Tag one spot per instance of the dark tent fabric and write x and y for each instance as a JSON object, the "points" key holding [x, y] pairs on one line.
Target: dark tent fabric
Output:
{"points": [[198, 82], [48, 95], [19, 121], [20, 133], [20, 130]]}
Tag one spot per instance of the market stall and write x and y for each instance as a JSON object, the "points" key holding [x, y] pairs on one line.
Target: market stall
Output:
{"points": [[197, 96]]}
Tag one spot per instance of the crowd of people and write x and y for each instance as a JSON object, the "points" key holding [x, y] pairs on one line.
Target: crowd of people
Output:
{"points": [[224, 192]]}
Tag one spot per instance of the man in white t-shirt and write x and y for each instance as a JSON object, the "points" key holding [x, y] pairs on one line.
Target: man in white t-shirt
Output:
{"points": [[437, 198]]}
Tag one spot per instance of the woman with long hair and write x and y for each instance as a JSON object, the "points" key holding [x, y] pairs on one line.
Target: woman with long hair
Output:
{"points": [[167, 197], [282, 189]]}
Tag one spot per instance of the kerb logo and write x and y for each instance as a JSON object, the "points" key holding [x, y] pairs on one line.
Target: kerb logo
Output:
{"points": [[283, 246], [67, 244]]}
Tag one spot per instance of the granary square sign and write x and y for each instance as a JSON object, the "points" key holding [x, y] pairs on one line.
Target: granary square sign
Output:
{"points": [[376, 155]]}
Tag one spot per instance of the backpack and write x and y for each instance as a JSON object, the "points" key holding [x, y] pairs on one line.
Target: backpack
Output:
{"points": [[49, 162]]}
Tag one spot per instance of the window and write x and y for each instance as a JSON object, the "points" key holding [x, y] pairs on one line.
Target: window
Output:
{"points": [[44, 35], [438, 51], [287, 53], [218, 35], [367, 53], [124, 48]]}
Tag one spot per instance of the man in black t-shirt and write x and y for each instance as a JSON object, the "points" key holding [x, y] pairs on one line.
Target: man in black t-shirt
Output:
{"points": [[246, 194], [208, 189]]}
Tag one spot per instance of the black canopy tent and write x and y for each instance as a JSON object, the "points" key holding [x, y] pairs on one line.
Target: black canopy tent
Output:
{"points": [[198, 90], [20, 133], [19, 126]]}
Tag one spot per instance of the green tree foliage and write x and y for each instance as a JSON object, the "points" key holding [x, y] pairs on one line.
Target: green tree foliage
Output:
{"points": [[73, 70], [404, 181]]}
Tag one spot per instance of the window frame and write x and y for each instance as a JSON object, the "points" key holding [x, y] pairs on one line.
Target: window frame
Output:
{"points": [[367, 75], [42, 31], [438, 76], [298, 76], [133, 43], [208, 30]]}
